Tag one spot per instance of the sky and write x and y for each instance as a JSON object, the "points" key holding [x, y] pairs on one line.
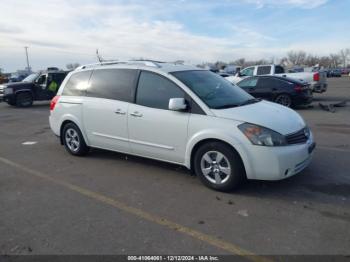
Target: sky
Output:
{"points": [[59, 32]]}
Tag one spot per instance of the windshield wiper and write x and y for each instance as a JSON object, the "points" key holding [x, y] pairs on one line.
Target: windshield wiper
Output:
{"points": [[250, 101]]}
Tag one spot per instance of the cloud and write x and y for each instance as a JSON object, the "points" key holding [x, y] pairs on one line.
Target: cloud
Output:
{"points": [[119, 31], [61, 31], [304, 4]]}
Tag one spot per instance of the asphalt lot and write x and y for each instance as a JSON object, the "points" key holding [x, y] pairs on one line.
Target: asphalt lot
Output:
{"points": [[110, 203]]}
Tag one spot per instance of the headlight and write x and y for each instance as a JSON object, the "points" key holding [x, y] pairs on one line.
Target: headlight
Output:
{"points": [[8, 91], [262, 136]]}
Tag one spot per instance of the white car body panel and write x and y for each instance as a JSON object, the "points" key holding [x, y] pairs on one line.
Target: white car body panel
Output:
{"points": [[172, 135], [105, 123], [284, 120], [150, 137]]}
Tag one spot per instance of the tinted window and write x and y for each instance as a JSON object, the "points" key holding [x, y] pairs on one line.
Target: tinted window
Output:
{"points": [[58, 78], [41, 80], [267, 82], [155, 91], [263, 70], [248, 71], [77, 84], [247, 83], [214, 90], [117, 84], [279, 70]]}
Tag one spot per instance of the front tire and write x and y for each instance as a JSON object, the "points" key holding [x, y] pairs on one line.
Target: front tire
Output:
{"points": [[73, 140], [24, 99], [219, 166]]}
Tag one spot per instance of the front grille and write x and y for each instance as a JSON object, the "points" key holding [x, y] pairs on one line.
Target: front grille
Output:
{"points": [[297, 137]]}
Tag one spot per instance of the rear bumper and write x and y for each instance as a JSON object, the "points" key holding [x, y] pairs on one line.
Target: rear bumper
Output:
{"points": [[302, 99], [319, 88]]}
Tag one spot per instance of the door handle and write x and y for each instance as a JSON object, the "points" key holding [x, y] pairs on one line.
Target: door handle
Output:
{"points": [[136, 114], [120, 112]]}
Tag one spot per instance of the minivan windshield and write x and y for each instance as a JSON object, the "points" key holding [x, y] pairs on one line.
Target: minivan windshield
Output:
{"points": [[30, 78], [215, 91]]}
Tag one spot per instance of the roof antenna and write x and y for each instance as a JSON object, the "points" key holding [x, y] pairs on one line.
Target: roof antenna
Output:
{"points": [[99, 58]]}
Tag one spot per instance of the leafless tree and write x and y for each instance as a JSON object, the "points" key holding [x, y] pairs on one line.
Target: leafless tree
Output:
{"points": [[296, 57], [344, 54], [240, 62], [311, 60], [335, 60], [72, 66]]}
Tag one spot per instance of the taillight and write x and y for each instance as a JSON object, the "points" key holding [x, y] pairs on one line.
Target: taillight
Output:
{"points": [[317, 77], [53, 102], [298, 88]]}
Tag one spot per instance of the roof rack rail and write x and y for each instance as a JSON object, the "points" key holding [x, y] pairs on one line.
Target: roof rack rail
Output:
{"points": [[116, 62]]}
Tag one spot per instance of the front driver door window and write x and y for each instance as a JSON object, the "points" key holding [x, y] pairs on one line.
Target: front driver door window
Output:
{"points": [[248, 71], [154, 130]]}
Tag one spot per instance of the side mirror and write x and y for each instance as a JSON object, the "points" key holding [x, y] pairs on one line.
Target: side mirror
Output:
{"points": [[177, 104]]}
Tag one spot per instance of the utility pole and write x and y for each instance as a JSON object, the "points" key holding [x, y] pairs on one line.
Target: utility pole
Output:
{"points": [[28, 67]]}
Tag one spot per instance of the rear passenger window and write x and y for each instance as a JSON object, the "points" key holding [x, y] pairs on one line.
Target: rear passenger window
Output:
{"points": [[116, 84], [263, 70], [77, 84], [155, 91], [267, 82]]}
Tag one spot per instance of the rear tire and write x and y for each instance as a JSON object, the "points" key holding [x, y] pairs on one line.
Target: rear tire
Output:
{"points": [[73, 140], [284, 99], [219, 166], [24, 99]]}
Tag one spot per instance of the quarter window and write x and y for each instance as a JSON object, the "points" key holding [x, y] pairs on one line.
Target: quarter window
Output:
{"points": [[117, 84], [77, 84], [155, 91]]}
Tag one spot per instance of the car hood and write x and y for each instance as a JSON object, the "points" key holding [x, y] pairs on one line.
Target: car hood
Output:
{"points": [[18, 84], [271, 115]]}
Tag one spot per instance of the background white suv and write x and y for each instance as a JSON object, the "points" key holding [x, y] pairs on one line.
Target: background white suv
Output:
{"points": [[183, 115]]}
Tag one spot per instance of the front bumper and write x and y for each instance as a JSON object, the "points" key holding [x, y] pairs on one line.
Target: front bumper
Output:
{"points": [[276, 163]]}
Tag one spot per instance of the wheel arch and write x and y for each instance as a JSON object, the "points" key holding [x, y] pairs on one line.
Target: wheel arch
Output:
{"points": [[68, 120], [25, 91], [234, 146]]}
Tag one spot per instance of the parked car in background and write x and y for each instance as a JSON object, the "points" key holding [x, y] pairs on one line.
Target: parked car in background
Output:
{"points": [[231, 69], [317, 80], [282, 90], [336, 72], [183, 115], [35, 87], [345, 71], [223, 74]]}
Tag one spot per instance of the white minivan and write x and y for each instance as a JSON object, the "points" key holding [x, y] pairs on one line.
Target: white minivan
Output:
{"points": [[183, 115]]}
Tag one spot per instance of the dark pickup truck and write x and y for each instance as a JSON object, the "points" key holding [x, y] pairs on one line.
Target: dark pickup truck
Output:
{"points": [[35, 87]]}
